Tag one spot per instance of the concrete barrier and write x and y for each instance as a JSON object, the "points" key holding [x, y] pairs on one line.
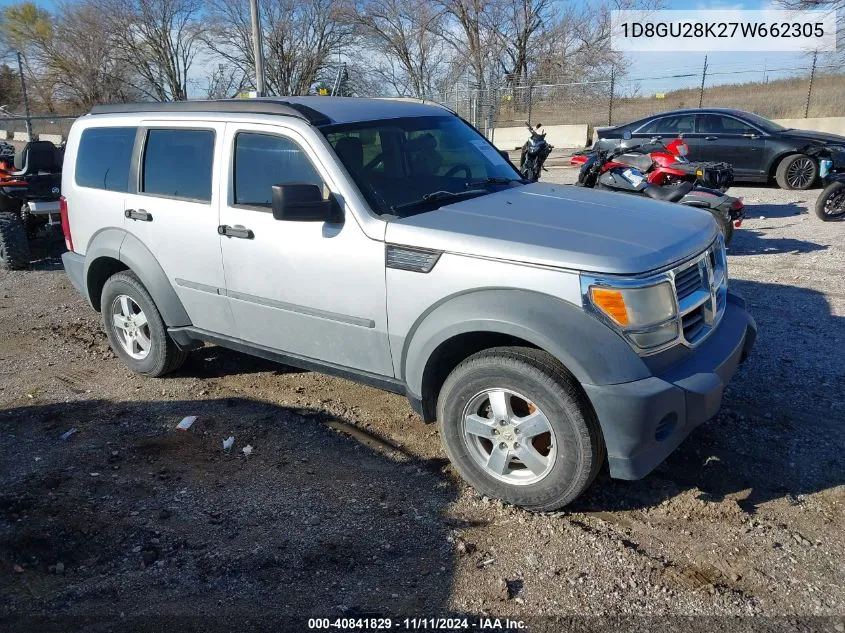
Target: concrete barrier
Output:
{"points": [[830, 124], [55, 139], [509, 138], [21, 136]]}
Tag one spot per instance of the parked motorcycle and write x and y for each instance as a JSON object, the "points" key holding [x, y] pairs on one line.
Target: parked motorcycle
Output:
{"points": [[602, 170], [668, 165], [30, 188], [534, 153], [830, 204]]}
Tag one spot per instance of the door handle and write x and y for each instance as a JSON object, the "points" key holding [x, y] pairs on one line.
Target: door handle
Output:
{"points": [[139, 214], [235, 231], [711, 138]]}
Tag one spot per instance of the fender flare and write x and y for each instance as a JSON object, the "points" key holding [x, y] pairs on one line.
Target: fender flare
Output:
{"points": [[589, 349], [117, 244]]}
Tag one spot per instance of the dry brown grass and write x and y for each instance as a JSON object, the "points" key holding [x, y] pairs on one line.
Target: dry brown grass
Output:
{"points": [[779, 99]]}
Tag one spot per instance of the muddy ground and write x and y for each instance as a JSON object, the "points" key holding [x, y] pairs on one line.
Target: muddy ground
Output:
{"points": [[346, 505]]}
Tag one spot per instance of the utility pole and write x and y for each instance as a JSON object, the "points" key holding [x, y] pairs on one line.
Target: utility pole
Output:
{"points": [[703, 77], [25, 98], [810, 88], [257, 48]]}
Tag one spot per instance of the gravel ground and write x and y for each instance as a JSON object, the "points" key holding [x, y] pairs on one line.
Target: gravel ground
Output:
{"points": [[346, 505]]}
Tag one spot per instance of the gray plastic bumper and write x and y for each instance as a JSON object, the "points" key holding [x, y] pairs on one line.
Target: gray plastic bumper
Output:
{"points": [[75, 268], [645, 420]]}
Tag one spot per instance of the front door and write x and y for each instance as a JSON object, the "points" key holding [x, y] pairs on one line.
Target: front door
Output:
{"points": [[173, 207], [727, 139], [314, 290]]}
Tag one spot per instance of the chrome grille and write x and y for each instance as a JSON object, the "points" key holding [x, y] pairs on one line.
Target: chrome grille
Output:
{"points": [[701, 291], [693, 323], [688, 281]]}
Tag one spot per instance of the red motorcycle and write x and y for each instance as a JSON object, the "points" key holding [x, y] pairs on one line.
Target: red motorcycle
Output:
{"points": [[668, 165]]}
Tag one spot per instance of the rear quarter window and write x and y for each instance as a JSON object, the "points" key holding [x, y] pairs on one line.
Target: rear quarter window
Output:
{"points": [[104, 157]]}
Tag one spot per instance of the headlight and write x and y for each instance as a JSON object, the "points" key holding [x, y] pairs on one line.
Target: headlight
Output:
{"points": [[645, 313], [635, 307]]}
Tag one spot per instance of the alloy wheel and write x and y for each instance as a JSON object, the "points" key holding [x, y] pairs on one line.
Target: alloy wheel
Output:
{"points": [[800, 173], [509, 437], [131, 327]]}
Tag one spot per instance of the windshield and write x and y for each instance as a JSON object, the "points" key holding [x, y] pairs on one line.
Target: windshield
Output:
{"points": [[762, 122], [400, 163]]}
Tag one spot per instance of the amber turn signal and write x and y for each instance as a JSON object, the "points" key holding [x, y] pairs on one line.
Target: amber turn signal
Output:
{"points": [[611, 302]]}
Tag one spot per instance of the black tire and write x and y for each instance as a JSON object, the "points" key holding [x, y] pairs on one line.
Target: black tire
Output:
{"points": [[726, 225], [797, 171], [9, 205], [164, 356], [580, 447], [830, 205], [14, 246]]}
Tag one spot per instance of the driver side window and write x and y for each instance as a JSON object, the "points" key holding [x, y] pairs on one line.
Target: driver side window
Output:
{"points": [[264, 160]]}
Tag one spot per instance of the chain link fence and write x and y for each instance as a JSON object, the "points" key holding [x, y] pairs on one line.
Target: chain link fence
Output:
{"points": [[16, 127], [814, 90]]}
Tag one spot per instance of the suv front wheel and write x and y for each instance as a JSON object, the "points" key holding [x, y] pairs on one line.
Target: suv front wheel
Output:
{"points": [[516, 428], [135, 329]]}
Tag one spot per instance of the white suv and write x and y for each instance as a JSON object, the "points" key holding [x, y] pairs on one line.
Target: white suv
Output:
{"points": [[545, 327]]}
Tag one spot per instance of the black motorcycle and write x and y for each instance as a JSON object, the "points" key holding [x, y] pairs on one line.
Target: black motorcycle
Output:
{"points": [[601, 171], [534, 153], [830, 204]]}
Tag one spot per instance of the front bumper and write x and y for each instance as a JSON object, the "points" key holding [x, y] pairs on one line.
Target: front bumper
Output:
{"points": [[645, 420]]}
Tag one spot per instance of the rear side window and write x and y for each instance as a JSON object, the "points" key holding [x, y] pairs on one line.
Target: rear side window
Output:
{"points": [[264, 160], [178, 164], [103, 158]]}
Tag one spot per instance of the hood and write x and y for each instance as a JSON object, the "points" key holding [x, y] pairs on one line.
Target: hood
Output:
{"points": [[812, 136], [563, 226]]}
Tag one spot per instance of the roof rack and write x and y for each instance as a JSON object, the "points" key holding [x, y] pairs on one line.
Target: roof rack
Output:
{"points": [[241, 106], [417, 100]]}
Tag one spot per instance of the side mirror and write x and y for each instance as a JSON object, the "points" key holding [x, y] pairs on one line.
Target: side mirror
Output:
{"points": [[304, 203], [627, 135]]}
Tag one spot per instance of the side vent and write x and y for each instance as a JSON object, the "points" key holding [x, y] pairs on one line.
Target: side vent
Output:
{"points": [[418, 260]]}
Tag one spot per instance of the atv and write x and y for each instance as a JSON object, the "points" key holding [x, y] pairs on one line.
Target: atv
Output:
{"points": [[30, 188]]}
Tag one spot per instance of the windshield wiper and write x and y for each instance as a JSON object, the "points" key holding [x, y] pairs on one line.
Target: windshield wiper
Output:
{"points": [[437, 196], [496, 180]]}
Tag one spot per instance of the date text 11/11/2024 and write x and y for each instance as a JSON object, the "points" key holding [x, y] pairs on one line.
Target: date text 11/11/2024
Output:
{"points": [[416, 624]]}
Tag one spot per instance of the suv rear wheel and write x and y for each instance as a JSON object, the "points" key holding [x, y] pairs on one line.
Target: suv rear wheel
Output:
{"points": [[135, 329], [516, 428]]}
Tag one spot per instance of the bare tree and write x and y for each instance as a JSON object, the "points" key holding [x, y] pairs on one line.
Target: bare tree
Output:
{"points": [[524, 22], [405, 32], [26, 28], [159, 39], [300, 36], [473, 32], [224, 82], [68, 55]]}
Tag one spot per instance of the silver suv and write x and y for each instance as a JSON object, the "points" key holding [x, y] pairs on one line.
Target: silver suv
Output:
{"points": [[544, 327]]}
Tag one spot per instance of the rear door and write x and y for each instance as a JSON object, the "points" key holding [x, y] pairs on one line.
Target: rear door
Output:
{"points": [[726, 138], [668, 127], [173, 209]]}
